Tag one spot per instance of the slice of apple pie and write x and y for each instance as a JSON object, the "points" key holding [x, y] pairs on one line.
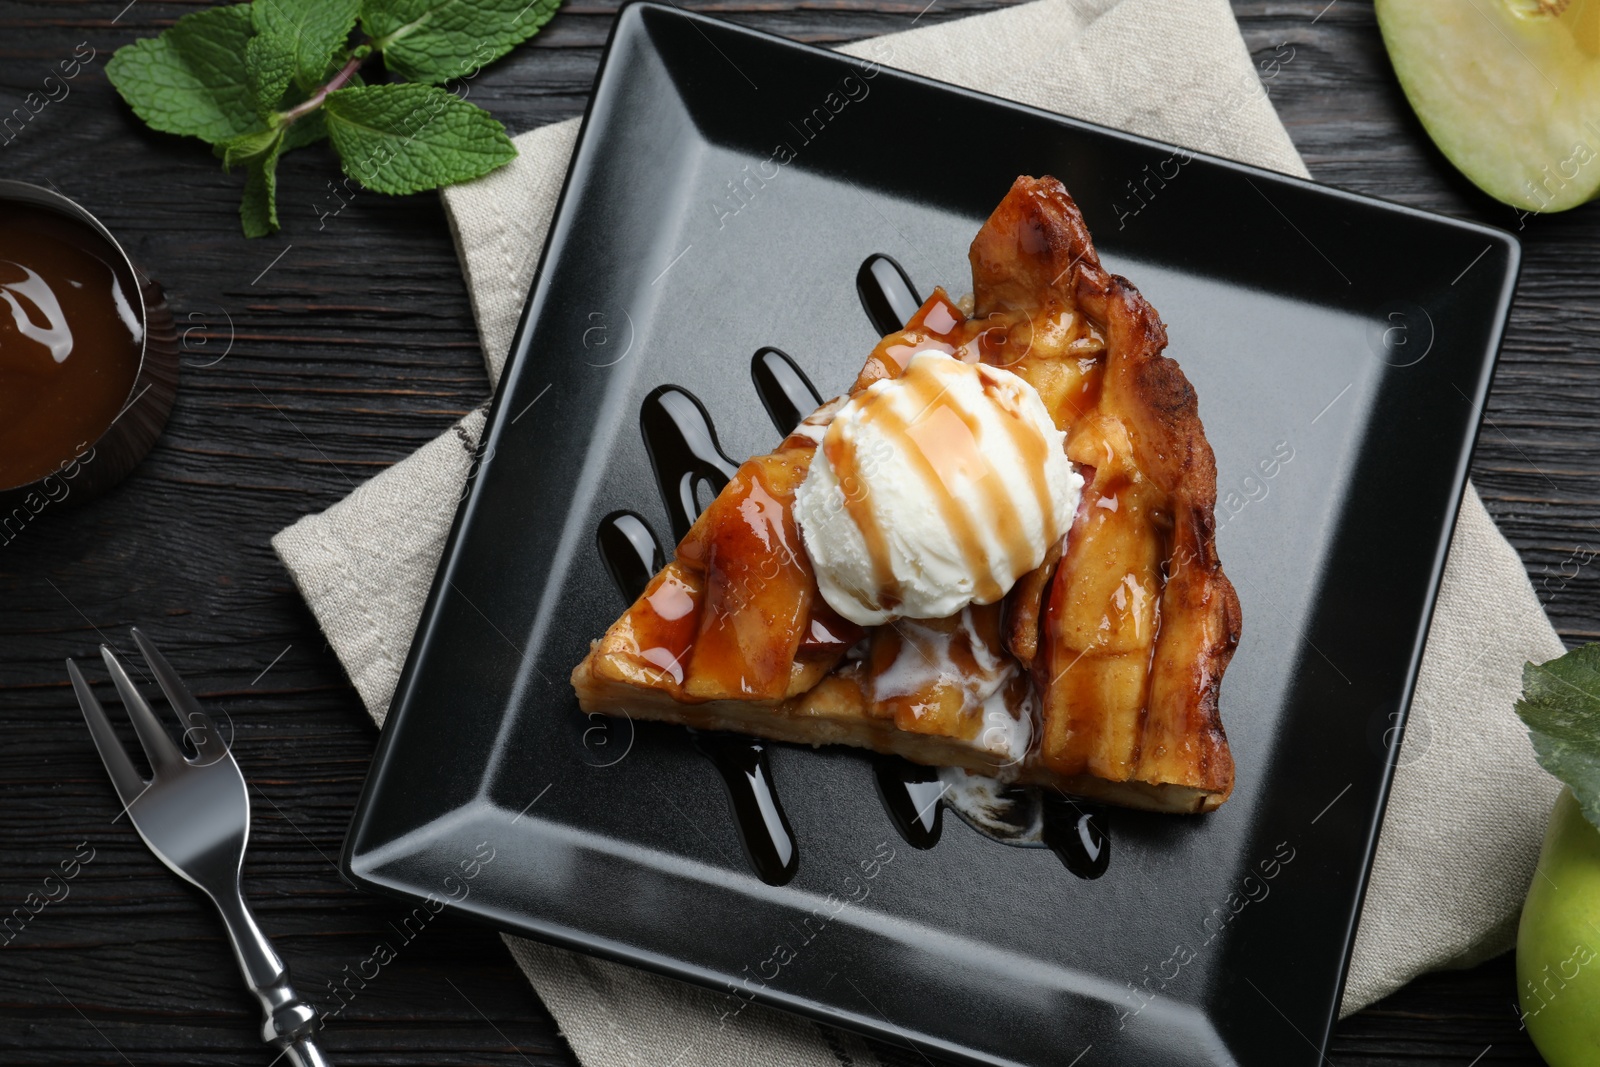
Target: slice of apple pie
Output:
{"points": [[996, 552]]}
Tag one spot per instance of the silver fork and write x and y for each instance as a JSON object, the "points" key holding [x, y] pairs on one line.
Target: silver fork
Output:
{"points": [[194, 813]]}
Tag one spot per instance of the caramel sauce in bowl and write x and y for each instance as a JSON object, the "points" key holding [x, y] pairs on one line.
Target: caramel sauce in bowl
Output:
{"points": [[88, 356]]}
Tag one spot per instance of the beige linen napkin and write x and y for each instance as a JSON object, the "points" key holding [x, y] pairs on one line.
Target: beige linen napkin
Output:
{"points": [[1468, 803]]}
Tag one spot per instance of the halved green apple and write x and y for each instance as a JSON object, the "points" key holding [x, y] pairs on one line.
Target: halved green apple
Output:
{"points": [[1508, 89]]}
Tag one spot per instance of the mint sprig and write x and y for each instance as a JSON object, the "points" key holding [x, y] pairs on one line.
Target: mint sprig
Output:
{"points": [[260, 79], [1561, 706]]}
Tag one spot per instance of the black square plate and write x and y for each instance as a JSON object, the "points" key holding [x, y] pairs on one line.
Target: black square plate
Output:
{"points": [[1341, 348]]}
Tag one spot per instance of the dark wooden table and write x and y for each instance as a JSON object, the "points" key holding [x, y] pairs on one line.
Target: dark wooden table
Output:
{"points": [[322, 355]]}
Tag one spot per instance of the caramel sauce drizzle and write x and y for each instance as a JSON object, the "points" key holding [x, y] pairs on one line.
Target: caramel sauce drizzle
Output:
{"points": [[858, 502], [1035, 455]]}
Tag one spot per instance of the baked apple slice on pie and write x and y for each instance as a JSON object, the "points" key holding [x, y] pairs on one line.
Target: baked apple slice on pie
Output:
{"points": [[996, 552]]}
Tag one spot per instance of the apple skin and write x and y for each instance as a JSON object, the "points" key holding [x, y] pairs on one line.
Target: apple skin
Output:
{"points": [[1558, 942]]}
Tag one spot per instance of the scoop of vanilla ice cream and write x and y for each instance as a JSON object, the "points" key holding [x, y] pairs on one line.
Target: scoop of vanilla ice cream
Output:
{"points": [[934, 490]]}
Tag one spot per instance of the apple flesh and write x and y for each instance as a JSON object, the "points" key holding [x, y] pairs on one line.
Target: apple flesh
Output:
{"points": [[1508, 89], [1558, 941]]}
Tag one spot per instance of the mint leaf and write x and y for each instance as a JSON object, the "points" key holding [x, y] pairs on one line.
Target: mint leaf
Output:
{"points": [[190, 80], [432, 41], [269, 66], [249, 146], [310, 31], [258, 151], [407, 138], [258, 211], [1561, 705]]}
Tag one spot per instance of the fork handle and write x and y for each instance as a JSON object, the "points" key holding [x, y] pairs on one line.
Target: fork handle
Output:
{"points": [[305, 1053], [289, 1024]]}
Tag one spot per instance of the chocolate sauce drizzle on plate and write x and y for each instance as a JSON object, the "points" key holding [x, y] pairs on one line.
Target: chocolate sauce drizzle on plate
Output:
{"points": [[1076, 830], [764, 829], [783, 387], [681, 441], [630, 552], [683, 448], [912, 795], [886, 292], [1078, 833]]}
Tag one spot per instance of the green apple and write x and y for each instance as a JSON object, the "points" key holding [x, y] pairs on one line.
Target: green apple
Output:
{"points": [[1508, 89], [1558, 941]]}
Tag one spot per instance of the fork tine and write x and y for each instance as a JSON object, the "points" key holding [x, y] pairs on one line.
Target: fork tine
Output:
{"points": [[197, 725], [152, 735], [126, 780]]}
